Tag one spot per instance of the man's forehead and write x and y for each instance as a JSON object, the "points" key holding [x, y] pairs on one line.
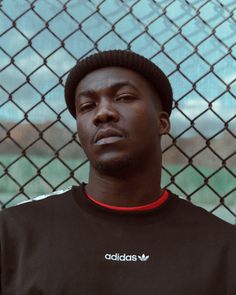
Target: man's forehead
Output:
{"points": [[111, 77]]}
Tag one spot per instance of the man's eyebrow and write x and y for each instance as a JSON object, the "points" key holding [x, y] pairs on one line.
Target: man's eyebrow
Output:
{"points": [[114, 87], [85, 93], [121, 84]]}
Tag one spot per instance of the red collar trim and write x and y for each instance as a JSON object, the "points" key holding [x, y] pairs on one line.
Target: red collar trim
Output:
{"points": [[149, 206]]}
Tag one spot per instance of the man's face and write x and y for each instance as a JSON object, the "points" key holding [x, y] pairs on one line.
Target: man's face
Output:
{"points": [[119, 118]]}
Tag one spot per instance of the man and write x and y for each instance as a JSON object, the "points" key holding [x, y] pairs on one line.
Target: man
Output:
{"points": [[120, 233]]}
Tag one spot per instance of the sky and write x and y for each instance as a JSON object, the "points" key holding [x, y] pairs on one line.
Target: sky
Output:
{"points": [[194, 44]]}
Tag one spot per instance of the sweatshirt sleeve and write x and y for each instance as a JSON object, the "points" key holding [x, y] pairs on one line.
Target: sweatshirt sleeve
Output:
{"points": [[0, 255], [231, 269]]}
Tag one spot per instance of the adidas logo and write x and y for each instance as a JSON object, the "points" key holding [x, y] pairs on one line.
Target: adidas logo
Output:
{"points": [[125, 257], [143, 257]]}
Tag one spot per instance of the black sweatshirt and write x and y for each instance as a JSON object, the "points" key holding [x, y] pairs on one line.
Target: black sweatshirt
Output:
{"points": [[67, 244]]}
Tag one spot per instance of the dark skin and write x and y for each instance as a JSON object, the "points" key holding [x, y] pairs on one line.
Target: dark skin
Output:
{"points": [[120, 122]]}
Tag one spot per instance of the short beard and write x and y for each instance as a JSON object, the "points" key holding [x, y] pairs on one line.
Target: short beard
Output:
{"points": [[117, 168]]}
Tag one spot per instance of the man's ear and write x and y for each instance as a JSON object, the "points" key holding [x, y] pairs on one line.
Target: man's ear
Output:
{"points": [[164, 120]]}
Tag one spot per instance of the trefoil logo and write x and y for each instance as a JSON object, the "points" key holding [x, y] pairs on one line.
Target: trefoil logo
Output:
{"points": [[126, 257], [143, 257]]}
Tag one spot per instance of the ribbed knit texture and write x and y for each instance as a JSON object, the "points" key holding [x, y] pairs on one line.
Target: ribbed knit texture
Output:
{"points": [[119, 58]]}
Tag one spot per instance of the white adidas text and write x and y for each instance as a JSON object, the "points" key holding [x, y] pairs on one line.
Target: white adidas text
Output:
{"points": [[126, 257]]}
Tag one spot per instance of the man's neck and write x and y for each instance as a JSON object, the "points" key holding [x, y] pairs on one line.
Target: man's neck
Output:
{"points": [[137, 189]]}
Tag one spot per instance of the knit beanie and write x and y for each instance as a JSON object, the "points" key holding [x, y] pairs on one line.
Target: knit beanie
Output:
{"points": [[119, 58]]}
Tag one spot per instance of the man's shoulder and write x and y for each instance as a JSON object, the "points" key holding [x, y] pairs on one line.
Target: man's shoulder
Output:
{"points": [[37, 205], [41, 216], [45, 197], [199, 218], [190, 215]]}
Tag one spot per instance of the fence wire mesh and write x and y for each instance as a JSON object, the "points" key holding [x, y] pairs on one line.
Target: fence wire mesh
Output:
{"points": [[192, 41]]}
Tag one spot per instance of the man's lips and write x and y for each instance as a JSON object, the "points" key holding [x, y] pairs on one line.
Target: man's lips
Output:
{"points": [[109, 135]]}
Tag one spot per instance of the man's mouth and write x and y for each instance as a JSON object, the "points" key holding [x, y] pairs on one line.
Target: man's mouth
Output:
{"points": [[108, 136]]}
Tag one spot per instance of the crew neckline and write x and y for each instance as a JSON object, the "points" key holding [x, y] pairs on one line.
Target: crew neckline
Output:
{"points": [[153, 205]]}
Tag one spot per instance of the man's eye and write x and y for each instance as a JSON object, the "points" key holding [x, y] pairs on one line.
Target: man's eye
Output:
{"points": [[126, 97], [86, 107]]}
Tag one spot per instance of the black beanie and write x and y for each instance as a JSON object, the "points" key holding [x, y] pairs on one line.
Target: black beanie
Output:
{"points": [[119, 58]]}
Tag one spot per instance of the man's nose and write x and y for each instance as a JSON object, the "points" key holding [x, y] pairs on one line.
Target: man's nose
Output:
{"points": [[106, 112]]}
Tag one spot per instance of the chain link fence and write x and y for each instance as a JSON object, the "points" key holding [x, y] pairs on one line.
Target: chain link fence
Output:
{"points": [[192, 41]]}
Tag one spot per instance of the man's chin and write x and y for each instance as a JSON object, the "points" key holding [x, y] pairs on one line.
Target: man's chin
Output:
{"points": [[114, 166]]}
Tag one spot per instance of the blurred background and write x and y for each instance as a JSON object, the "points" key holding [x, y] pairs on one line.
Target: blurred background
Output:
{"points": [[194, 42]]}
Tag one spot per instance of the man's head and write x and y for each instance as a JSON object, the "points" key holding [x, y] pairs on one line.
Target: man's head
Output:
{"points": [[119, 58], [120, 113]]}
